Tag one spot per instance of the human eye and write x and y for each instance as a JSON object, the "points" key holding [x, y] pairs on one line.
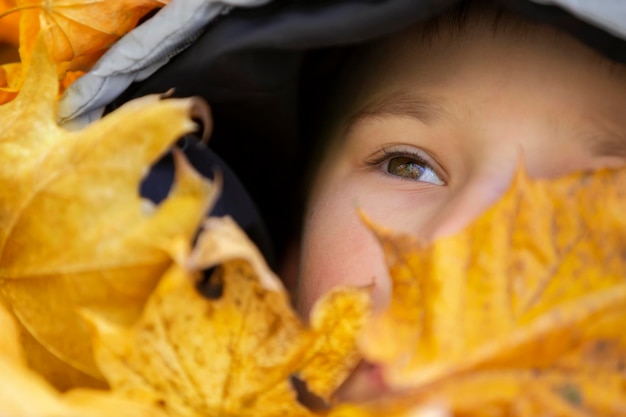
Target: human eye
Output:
{"points": [[405, 164]]}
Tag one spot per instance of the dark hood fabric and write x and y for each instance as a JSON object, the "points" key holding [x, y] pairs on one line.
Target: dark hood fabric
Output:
{"points": [[248, 66]]}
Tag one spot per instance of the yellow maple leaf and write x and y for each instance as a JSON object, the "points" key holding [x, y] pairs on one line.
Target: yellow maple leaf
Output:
{"points": [[23, 393], [73, 230], [521, 314], [232, 355]]}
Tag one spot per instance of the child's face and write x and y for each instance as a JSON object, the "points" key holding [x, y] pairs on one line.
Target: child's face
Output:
{"points": [[441, 131]]}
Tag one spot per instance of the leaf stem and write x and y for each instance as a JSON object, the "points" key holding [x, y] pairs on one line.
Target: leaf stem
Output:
{"points": [[18, 9]]}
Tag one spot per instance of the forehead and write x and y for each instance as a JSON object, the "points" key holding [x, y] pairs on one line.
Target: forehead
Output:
{"points": [[485, 39], [504, 46], [443, 74]]}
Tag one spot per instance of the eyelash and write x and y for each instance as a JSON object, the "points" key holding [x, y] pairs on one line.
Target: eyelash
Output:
{"points": [[386, 155]]}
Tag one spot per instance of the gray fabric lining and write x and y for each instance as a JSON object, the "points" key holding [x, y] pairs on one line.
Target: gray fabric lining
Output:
{"points": [[138, 55]]}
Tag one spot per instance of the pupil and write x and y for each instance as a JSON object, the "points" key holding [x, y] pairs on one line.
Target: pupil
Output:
{"points": [[405, 167]]}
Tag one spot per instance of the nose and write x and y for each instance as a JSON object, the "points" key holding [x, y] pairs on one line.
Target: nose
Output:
{"points": [[478, 191]]}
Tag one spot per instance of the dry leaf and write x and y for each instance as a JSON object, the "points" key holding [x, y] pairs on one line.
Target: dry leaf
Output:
{"points": [[333, 353], [77, 28], [73, 230], [9, 24], [77, 33], [12, 78], [10, 348], [336, 320], [23, 393], [231, 355], [54, 369], [68, 79], [521, 314], [10, 81], [8, 54]]}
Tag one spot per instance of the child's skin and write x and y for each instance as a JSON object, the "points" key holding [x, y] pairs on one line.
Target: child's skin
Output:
{"points": [[440, 128]]}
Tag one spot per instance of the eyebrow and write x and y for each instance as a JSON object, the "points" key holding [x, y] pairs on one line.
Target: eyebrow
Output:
{"points": [[427, 109], [430, 109], [608, 145]]}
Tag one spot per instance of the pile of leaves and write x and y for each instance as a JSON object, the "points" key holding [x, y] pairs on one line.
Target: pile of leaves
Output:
{"points": [[521, 314]]}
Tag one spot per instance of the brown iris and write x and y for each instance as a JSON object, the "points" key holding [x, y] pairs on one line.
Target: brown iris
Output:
{"points": [[405, 167]]}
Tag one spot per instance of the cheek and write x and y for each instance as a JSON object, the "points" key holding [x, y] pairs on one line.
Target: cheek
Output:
{"points": [[337, 249]]}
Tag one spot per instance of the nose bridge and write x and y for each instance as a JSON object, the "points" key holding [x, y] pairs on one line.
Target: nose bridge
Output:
{"points": [[481, 188]]}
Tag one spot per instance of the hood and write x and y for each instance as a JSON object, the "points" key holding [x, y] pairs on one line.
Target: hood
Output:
{"points": [[247, 62]]}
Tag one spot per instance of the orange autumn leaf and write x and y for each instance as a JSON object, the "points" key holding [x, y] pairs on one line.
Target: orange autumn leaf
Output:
{"points": [[68, 79], [8, 54], [77, 33], [521, 314], [10, 81], [78, 28], [9, 24], [73, 230], [12, 78], [233, 354]]}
